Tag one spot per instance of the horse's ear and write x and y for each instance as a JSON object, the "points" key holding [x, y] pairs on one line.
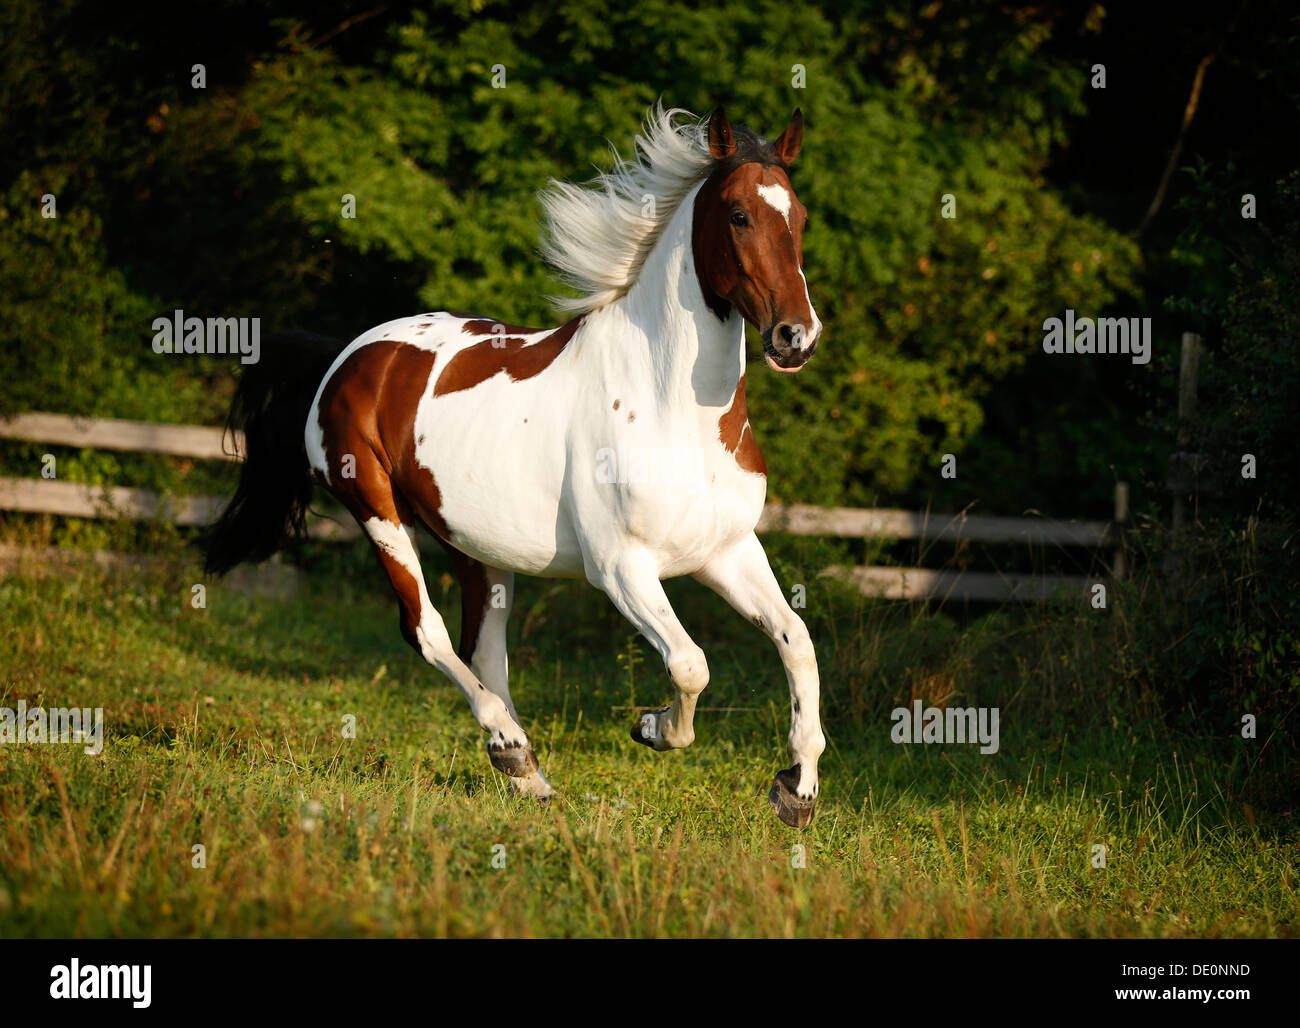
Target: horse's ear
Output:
{"points": [[787, 147], [721, 142]]}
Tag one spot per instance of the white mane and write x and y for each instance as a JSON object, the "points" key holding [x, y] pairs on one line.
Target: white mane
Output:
{"points": [[597, 236]]}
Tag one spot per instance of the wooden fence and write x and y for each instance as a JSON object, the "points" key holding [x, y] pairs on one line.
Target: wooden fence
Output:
{"points": [[72, 499]]}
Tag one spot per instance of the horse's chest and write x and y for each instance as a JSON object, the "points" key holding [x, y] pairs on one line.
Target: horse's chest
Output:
{"points": [[686, 518]]}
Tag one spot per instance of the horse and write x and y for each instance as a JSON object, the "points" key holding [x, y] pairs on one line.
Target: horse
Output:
{"points": [[506, 441]]}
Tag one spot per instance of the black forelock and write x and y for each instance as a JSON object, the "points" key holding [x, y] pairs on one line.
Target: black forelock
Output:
{"points": [[750, 147]]}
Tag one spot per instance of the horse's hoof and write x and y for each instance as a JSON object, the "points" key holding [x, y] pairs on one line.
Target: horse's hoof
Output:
{"points": [[534, 785], [644, 729], [790, 807], [515, 761]]}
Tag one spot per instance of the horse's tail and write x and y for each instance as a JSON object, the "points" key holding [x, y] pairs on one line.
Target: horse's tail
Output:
{"points": [[275, 484]]}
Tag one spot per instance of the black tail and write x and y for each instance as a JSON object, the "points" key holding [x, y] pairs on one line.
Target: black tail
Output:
{"points": [[275, 483]]}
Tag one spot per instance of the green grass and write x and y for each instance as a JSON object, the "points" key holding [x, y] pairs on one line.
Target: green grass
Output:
{"points": [[223, 729]]}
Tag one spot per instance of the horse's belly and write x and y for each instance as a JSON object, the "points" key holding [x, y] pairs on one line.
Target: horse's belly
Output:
{"points": [[546, 547], [497, 486]]}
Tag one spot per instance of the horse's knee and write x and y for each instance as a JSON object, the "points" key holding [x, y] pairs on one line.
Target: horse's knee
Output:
{"points": [[792, 635], [689, 670]]}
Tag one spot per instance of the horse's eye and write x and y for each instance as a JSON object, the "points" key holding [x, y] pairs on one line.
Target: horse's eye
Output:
{"points": [[739, 218]]}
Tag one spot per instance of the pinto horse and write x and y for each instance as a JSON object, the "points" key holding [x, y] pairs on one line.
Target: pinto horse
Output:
{"points": [[500, 439]]}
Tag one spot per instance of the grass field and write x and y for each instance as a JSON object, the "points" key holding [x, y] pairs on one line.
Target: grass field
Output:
{"points": [[223, 729]]}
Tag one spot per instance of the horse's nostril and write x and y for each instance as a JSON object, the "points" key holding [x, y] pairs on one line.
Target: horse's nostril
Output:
{"points": [[787, 334]]}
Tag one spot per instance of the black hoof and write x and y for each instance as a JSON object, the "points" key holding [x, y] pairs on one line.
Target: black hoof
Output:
{"points": [[789, 806], [638, 729], [515, 761]]}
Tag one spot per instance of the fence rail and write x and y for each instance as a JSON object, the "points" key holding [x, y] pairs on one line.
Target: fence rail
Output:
{"points": [[77, 500], [72, 499], [199, 441], [932, 526]]}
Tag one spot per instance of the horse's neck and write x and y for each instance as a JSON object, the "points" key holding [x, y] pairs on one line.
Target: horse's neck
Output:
{"points": [[662, 337]]}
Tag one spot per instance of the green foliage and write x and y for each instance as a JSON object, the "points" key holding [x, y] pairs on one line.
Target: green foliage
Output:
{"points": [[1252, 379], [73, 329], [229, 200], [1242, 648]]}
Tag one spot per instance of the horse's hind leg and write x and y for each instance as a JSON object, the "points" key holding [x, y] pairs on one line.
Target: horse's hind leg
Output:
{"points": [[389, 524], [486, 596]]}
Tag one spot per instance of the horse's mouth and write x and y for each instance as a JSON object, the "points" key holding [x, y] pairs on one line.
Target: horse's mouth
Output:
{"points": [[787, 363]]}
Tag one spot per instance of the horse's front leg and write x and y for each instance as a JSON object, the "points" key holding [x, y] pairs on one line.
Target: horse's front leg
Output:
{"points": [[631, 580], [743, 577]]}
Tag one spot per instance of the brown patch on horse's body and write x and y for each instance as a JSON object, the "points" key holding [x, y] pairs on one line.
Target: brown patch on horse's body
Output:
{"points": [[736, 435], [490, 327], [519, 359], [367, 409]]}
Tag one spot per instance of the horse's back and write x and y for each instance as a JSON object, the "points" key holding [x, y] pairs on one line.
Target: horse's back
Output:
{"points": [[436, 398]]}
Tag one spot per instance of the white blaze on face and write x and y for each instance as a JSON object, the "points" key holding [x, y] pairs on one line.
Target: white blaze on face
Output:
{"points": [[777, 197], [815, 329]]}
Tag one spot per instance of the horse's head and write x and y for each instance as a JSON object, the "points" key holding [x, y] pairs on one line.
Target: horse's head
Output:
{"points": [[748, 239]]}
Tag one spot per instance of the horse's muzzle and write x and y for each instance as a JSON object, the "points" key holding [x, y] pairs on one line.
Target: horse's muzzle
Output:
{"points": [[788, 346]]}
